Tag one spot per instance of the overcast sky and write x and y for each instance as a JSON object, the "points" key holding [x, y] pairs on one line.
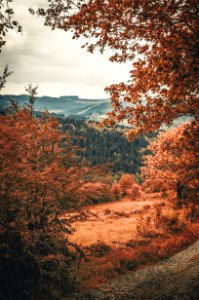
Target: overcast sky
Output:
{"points": [[54, 61]]}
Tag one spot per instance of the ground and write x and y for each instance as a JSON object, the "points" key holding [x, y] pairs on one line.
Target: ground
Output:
{"points": [[176, 278], [138, 250], [110, 222]]}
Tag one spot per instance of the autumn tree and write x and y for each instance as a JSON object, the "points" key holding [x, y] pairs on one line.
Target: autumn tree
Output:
{"points": [[125, 183], [161, 40], [129, 187], [115, 191], [172, 168], [38, 169], [134, 192], [95, 192]]}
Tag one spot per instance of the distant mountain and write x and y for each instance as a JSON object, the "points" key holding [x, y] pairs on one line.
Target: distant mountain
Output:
{"points": [[64, 105], [94, 109]]}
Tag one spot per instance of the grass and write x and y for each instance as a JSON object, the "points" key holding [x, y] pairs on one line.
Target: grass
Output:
{"points": [[121, 237]]}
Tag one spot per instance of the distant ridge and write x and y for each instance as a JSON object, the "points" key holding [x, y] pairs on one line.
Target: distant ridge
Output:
{"points": [[66, 105], [71, 105]]}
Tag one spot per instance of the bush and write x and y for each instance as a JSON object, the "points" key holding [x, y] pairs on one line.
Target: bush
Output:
{"points": [[115, 192], [158, 224], [35, 173], [134, 192], [34, 270], [95, 192], [126, 182]]}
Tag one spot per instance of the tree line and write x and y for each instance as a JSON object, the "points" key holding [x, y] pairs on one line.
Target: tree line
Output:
{"points": [[105, 145]]}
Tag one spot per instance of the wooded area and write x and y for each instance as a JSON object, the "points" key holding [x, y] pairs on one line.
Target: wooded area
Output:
{"points": [[46, 179]]}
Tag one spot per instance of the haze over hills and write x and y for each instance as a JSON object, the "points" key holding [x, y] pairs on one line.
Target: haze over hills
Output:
{"points": [[64, 105]]}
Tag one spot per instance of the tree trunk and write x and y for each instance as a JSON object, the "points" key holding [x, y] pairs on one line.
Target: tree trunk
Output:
{"points": [[179, 193]]}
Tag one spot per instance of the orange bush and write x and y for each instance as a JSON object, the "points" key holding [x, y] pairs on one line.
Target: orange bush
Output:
{"points": [[126, 182], [115, 191]]}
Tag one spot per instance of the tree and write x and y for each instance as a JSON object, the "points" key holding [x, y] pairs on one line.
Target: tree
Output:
{"points": [[38, 169], [134, 191], [95, 192], [115, 191], [173, 165], [125, 183], [161, 40]]}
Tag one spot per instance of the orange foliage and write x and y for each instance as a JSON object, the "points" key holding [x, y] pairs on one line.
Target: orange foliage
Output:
{"points": [[95, 192], [128, 186], [34, 168], [115, 191], [159, 37], [38, 177], [134, 192], [173, 166]]}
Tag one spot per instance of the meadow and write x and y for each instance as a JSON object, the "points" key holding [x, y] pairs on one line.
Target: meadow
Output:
{"points": [[124, 236]]}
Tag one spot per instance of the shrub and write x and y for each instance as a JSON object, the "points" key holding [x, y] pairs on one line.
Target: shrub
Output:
{"points": [[158, 224], [115, 191], [35, 174], [95, 192], [134, 192], [126, 182]]}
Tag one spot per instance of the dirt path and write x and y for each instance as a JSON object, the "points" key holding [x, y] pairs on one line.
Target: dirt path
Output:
{"points": [[174, 278]]}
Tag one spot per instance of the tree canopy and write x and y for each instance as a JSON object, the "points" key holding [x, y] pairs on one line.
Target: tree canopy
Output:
{"points": [[161, 40], [173, 165], [37, 175]]}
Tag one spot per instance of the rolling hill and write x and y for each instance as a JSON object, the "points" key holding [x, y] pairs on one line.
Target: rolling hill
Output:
{"points": [[64, 105]]}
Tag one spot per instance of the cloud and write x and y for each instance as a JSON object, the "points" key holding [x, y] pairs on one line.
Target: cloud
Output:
{"points": [[54, 61]]}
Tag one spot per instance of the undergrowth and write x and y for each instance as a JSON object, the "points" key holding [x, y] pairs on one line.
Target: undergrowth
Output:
{"points": [[160, 235]]}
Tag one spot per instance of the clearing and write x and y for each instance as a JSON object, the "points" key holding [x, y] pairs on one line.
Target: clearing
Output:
{"points": [[131, 248]]}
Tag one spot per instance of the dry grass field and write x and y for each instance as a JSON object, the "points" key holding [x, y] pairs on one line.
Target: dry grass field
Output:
{"points": [[110, 223], [122, 236]]}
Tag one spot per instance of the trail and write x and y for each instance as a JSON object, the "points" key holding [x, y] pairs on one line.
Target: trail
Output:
{"points": [[175, 278]]}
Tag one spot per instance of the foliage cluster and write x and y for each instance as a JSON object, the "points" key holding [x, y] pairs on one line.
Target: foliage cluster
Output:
{"points": [[129, 187], [6, 21], [173, 166], [36, 174], [161, 40]]}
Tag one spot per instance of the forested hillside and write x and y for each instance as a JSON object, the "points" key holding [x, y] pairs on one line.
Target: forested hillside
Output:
{"points": [[104, 146]]}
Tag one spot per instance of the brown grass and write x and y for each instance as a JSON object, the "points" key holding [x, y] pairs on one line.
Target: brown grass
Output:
{"points": [[123, 236]]}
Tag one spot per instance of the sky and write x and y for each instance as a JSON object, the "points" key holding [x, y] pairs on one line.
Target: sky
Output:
{"points": [[53, 61]]}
